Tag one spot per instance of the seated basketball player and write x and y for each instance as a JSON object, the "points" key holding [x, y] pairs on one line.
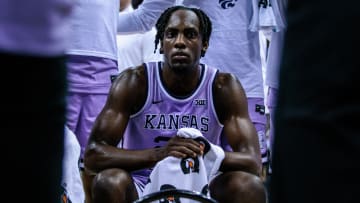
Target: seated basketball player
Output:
{"points": [[149, 103]]}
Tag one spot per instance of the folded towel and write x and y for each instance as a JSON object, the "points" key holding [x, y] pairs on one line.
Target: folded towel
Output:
{"points": [[213, 154], [187, 173]]}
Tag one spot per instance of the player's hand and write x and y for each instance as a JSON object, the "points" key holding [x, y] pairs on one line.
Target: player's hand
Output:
{"points": [[183, 147]]}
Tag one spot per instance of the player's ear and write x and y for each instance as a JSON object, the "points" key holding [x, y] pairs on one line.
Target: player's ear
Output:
{"points": [[205, 47]]}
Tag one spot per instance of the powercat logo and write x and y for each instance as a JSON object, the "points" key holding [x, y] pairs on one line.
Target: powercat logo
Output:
{"points": [[225, 4], [190, 165]]}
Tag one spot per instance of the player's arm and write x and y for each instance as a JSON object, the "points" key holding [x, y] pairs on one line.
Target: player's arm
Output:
{"points": [[144, 17], [127, 95], [232, 110]]}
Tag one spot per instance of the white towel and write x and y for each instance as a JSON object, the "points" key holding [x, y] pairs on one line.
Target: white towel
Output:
{"points": [[188, 173], [71, 183], [212, 156]]}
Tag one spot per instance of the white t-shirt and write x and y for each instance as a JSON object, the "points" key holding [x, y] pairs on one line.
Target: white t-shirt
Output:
{"points": [[93, 28], [276, 45], [135, 49], [144, 17]]}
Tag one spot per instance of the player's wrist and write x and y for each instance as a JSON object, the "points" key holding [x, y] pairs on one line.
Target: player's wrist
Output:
{"points": [[157, 155]]}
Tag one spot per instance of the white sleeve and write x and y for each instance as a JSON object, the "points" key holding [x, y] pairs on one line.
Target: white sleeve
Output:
{"points": [[149, 47], [144, 17]]}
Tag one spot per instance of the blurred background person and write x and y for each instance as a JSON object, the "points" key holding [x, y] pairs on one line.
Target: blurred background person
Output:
{"points": [[92, 59], [33, 38], [317, 139], [273, 61]]}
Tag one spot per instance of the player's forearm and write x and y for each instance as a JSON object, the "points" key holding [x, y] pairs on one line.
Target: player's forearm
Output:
{"points": [[101, 156], [235, 161]]}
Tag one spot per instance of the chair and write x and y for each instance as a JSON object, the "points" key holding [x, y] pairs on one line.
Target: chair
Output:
{"points": [[173, 194]]}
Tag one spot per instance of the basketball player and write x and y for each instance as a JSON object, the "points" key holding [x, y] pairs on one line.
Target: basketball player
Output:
{"points": [[235, 48], [146, 106]]}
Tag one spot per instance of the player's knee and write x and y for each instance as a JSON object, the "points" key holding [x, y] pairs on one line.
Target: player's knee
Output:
{"points": [[245, 182], [239, 186], [253, 187], [111, 180]]}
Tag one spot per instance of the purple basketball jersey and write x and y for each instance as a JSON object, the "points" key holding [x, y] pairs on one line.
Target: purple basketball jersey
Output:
{"points": [[163, 114]]}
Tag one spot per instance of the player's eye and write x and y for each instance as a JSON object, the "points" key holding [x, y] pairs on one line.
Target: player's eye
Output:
{"points": [[170, 34], [191, 34]]}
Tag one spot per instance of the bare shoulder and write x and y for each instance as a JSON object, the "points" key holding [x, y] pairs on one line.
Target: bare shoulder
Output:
{"points": [[228, 94], [226, 81], [132, 76], [130, 88]]}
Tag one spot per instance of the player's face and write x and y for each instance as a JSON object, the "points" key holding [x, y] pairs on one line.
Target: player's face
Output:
{"points": [[182, 42]]}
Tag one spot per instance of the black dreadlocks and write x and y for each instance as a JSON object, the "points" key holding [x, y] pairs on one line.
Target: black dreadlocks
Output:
{"points": [[205, 24]]}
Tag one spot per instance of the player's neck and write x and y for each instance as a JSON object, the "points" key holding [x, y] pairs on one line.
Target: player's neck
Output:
{"points": [[181, 83]]}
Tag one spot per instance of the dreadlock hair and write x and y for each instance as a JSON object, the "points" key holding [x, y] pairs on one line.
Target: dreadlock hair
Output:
{"points": [[205, 24]]}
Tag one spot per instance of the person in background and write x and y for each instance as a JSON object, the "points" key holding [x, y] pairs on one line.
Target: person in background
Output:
{"points": [[137, 48], [33, 38], [92, 60], [147, 104], [264, 38], [273, 66], [316, 142]]}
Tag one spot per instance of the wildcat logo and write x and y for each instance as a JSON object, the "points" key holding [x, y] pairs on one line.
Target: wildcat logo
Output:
{"points": [[225, 4], [190, 165]]}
